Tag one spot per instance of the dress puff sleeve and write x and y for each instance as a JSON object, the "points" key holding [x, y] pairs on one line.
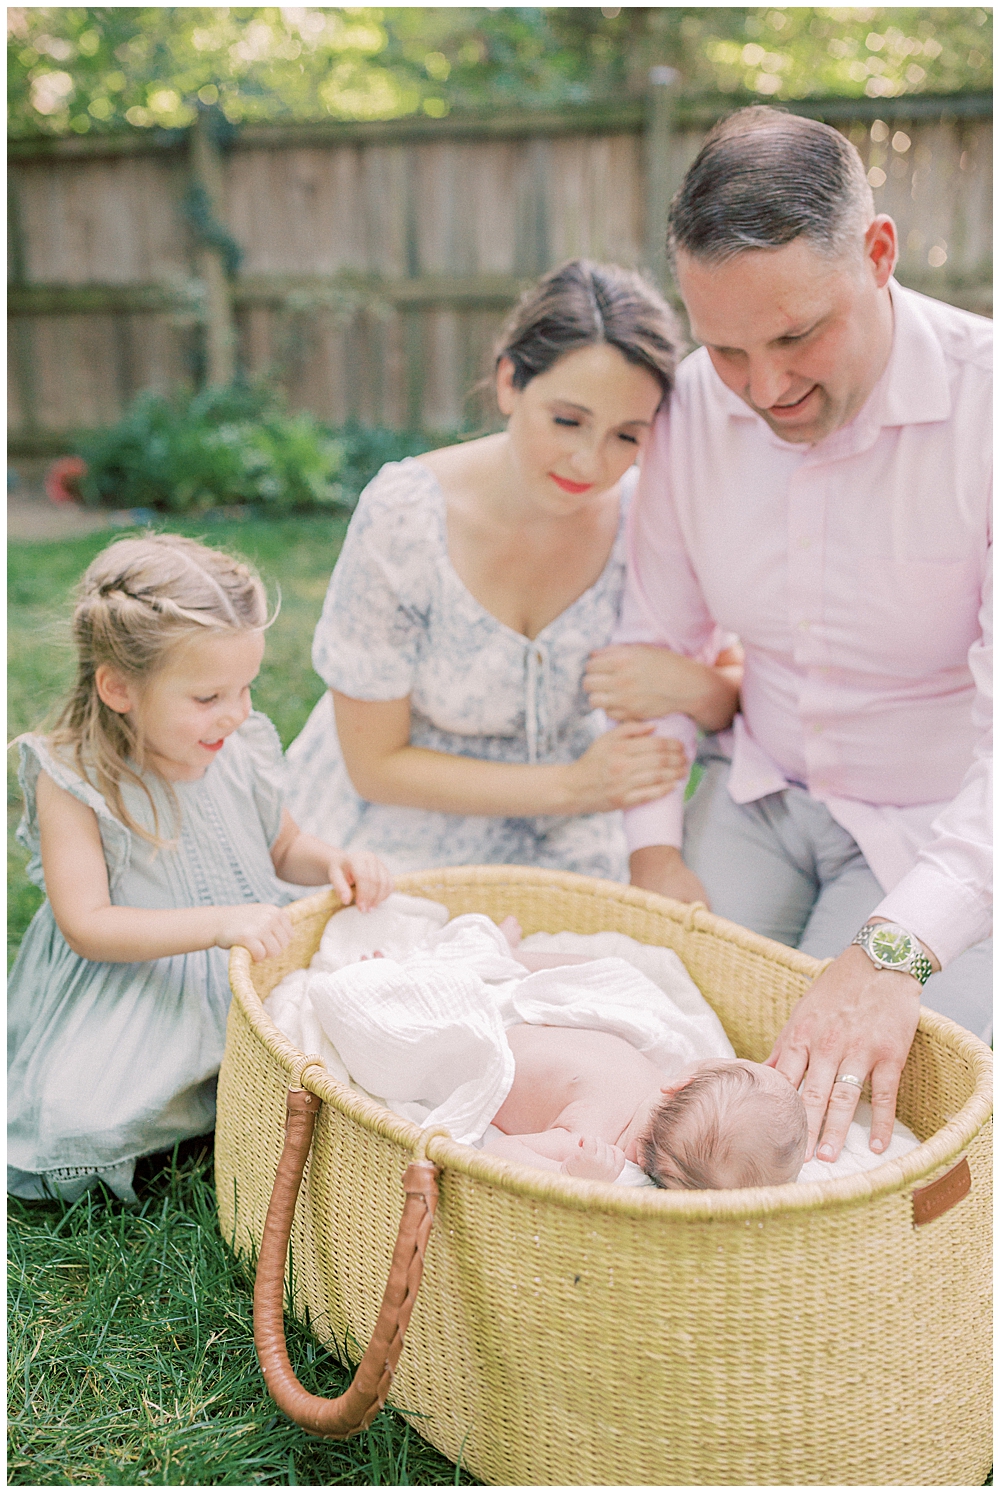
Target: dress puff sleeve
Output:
{"points": [[116, 839], [263, 769], [367, 641]]}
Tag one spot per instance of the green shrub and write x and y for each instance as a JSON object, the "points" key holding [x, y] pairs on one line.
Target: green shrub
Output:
{"points": [[239, 445]]}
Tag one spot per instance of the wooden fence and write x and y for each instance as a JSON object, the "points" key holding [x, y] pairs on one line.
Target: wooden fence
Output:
{"points": [[376, 259]]}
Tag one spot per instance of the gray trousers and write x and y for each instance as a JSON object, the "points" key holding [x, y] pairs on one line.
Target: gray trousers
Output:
{"points": [[785, 868]]}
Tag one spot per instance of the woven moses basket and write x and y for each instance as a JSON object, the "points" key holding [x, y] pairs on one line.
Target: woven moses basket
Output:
{"points": [[570, 1332]]}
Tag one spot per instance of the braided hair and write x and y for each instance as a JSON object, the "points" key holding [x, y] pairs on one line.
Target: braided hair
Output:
{"points": [[137, 601]]}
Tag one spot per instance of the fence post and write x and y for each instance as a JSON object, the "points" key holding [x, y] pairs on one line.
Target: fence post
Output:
{"points": [[21, 341], [661, 166], [220, 326]]}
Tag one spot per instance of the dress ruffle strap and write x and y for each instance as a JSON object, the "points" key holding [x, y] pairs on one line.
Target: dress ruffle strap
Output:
{"points": [[36, 757]]}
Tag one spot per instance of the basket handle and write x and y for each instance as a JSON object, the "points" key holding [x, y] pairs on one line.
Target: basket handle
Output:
{"points": [[358, 1406]]}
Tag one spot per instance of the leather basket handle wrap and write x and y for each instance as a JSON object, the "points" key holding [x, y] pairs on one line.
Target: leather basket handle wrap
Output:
{"points": [[358, 1406]]}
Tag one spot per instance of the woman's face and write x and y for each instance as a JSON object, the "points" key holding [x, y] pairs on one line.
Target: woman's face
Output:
{"points": [[577, 428]]}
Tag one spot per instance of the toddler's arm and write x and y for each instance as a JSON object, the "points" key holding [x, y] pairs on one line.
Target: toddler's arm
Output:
{"points": [[303, 859], [76, 880], [560, 1151]]}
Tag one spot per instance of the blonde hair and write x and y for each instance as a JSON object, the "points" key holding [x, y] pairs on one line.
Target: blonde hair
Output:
{"points": [[137, 601], [724, 1129]]}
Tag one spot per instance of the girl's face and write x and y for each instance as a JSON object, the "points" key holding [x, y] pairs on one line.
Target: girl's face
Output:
{"points": [[187, 709], [576, 429]]}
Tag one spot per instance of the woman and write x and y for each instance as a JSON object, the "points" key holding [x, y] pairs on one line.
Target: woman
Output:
{"points": [[473, 585]]}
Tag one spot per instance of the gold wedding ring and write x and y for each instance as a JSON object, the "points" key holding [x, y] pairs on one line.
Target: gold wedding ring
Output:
{"points": [[858, 1083]]}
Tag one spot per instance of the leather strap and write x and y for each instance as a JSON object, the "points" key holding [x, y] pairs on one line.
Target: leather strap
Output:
{"points": [[358, 1406]]}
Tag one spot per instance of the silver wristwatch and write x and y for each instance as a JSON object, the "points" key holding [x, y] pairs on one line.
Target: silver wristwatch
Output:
{"points": [[889, 946]]}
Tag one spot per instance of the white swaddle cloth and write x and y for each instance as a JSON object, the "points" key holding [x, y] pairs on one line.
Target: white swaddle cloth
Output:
{"points": [[421, 1029]]}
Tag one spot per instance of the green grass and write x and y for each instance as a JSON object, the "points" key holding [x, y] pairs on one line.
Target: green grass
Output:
{"points": [[130, 1336], [131, 1357]]}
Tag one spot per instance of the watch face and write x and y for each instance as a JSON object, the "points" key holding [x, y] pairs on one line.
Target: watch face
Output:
{"points": [[891, 944]]}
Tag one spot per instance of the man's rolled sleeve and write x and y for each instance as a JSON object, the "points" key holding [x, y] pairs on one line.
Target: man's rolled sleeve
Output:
{"points": [[663, 605], [946, 900]]}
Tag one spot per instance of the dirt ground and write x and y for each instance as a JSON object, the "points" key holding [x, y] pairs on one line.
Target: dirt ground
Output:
{"points": [[31, 516]]}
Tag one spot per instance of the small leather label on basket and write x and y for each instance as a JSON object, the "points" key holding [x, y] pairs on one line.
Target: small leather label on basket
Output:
{"points": [[930, 1202]]}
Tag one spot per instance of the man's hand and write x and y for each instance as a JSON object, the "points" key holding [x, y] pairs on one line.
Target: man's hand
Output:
{"points": [[859, 1020], [661, 868]]}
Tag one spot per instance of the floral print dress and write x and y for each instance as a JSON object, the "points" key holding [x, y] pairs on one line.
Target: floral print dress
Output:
{"points": [[398, 621]]}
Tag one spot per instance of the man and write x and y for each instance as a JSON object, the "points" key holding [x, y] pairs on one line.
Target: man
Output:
{"points": [[819, 486]]}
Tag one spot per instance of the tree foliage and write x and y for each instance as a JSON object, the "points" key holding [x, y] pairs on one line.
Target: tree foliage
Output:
{"points": [[77, 69]]}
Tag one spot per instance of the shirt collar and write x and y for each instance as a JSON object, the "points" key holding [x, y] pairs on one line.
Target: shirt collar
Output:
{"points": [[913, 389]]}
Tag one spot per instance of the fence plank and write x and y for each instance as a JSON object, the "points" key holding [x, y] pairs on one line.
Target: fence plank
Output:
{"points": [[380, 258]]}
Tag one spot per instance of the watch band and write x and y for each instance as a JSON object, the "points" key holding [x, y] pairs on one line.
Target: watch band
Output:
{"points": [[918, 965]]}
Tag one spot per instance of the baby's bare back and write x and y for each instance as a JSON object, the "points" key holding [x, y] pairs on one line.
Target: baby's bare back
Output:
{"points": [[575, 1079]]}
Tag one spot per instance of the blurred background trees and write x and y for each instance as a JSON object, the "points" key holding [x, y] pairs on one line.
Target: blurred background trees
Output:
{"points": [[112, 68]]}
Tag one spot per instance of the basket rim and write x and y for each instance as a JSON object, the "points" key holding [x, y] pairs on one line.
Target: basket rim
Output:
{"points": [[305, 1071]]}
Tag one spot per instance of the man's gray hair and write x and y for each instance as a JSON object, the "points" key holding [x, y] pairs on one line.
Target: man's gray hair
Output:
{"points": [[765, 177]]}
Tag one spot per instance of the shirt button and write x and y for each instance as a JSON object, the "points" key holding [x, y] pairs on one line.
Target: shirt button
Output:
{"points": [[817, 728], [803, 627], [804, 543]]}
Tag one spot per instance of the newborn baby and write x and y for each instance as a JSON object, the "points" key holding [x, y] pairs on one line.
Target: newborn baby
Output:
{"points": [[585, 1102], [449, 1022]]}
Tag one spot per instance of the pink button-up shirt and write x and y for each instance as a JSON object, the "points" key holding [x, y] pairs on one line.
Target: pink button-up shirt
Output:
{"points": [[856, 573]]}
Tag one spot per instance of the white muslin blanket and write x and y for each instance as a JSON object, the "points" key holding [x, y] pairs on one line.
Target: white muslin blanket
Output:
{"points": [[422, 1029]]}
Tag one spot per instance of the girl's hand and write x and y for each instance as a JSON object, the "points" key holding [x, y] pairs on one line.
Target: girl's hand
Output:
{"points": [[595, 1160], [640, 682], [261, 929], [626, 766], [360, 875]]}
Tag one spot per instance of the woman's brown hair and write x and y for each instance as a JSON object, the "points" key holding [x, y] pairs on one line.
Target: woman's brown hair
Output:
{"points": [[583, 304]]}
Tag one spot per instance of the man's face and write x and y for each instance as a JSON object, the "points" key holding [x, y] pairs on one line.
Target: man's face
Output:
{"points": [[802, 339]]}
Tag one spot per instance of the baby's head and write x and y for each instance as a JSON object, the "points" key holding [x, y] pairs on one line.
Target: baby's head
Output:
{"points": [[725, 1124]]}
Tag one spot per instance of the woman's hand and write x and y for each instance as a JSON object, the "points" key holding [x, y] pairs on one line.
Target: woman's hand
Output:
{"points": [[594, 1160], [263, 930], [642, 682], [626, 766], [360, 875]]}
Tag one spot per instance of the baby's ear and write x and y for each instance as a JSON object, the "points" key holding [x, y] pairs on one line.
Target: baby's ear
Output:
{"points": [[675, 1085]]}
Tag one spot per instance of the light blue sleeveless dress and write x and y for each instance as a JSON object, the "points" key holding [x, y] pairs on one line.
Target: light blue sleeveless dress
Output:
{"points": [[398, 621], [108, 1062]]}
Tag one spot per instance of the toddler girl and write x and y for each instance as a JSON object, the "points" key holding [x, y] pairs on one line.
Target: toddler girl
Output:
{"points": [[154, 815]]}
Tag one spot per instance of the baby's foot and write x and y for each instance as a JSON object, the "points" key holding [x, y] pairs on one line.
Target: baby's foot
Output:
{"points": [[511, 930], [377, 955]]}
